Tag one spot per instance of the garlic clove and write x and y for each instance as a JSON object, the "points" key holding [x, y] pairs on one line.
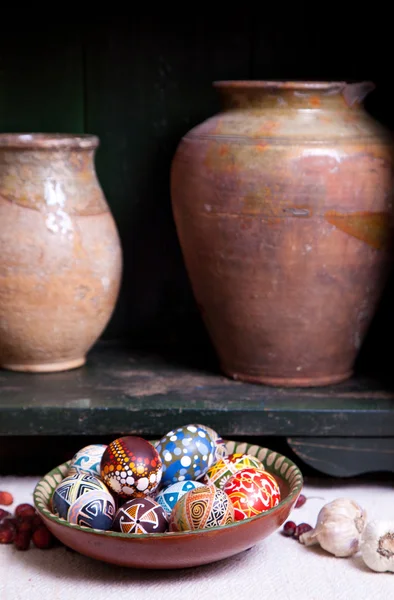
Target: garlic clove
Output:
{"points": [[309, 538], [339, 536], [338, 528], [377, 545]]}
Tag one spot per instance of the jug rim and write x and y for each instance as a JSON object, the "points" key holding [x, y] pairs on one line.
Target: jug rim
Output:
{"points": [[48, 141], [284, 84]]}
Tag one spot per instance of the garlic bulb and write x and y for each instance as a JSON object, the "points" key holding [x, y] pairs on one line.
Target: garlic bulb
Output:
{"points": [[377, 546], [338, 529]]}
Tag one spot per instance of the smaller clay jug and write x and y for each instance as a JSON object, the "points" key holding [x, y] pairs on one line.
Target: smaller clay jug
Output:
{"points": [[60, 253]]}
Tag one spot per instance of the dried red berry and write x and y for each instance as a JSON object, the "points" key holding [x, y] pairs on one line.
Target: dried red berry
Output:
{"points": [[23, 511], [6, 498], [25, 525], [300, 502], [36, 522], [289, 528], [43, 538], [10, 522], [301, 528], [22, 540], [7, 534], [4, 514]]}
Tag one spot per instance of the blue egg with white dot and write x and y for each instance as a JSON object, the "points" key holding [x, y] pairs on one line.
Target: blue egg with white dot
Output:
{"points": [[168, 497], [186, 454], [221, 448]]}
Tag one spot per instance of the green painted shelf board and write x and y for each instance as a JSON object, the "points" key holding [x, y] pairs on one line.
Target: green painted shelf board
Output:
{"points": [[123, 391]]}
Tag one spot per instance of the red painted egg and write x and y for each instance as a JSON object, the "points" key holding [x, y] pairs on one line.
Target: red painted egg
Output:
{"points": [[252, 491], [131, 467]]}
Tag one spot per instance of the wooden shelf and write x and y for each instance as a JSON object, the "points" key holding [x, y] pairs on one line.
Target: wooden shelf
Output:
{"points": [[341, 430], [121, 391]]}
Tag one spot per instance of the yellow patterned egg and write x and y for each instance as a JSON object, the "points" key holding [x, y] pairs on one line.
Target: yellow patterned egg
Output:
{"points": [[202, 508], [223, 469]]}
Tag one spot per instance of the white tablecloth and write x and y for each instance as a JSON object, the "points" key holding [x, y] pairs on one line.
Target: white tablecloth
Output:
{"points": [[277, 568]]}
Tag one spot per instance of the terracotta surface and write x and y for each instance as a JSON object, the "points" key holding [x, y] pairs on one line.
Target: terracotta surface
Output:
{"points": [[60, 254], [283, 204], [177, 550]]}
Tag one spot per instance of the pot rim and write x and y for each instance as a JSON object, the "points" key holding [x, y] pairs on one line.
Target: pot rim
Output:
{"points": [[49, 141], [282, 84]]}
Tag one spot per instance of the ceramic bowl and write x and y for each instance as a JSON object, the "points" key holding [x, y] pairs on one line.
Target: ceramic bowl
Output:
{"points": [[183, 549]]}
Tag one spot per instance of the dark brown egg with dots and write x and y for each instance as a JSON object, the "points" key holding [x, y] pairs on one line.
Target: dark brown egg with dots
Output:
{"points": [[140, 516], [131, 467]]}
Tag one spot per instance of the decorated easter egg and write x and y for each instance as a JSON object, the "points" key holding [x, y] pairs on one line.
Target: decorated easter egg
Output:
{"points": [[202, 508], [88, 459], [220, 444], [71, 488], [94, 509], [168, 497], [223, 469], [186, 453], [140, 515], [251, 492], [131, 467]]}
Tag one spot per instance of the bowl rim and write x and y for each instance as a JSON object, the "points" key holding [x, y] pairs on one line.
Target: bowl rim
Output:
{"points": [[295, 486]]}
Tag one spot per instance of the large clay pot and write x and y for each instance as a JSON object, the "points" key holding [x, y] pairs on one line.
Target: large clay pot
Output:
{"points": [[283, 204], [60, 254]]}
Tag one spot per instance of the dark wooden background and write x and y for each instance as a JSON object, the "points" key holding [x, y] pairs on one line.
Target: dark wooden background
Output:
{"points": [[140, 83]]}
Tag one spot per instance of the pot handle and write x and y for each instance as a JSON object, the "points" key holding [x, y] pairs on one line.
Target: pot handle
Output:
{"points": [[356, 92]]}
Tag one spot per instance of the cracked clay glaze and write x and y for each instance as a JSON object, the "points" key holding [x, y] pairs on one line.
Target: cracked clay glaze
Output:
{"points": [[283, 204], [60, 254]]}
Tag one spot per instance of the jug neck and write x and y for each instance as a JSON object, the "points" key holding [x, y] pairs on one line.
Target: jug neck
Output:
{"points": [[51, 172], [310, 95]]}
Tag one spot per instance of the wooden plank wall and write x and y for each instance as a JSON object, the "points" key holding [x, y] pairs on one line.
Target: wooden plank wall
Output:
{"points": [[146, 85], [140, 84], [41, 80]]}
